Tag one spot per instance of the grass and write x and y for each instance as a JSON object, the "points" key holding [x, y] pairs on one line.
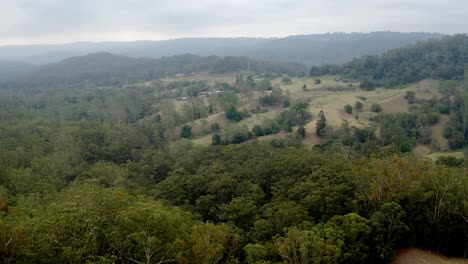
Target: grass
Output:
{"points": [[329, 96], [426, 152], [210, 78], [436, 155], [438, 132], [205, 140]]}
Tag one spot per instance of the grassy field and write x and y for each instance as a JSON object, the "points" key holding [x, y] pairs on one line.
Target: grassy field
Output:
{"points": [[438, 132], [330, 96]]}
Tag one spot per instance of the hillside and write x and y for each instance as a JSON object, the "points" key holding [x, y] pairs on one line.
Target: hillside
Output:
{"points": [[224, 164], [105, 69], [11, 69], [314, 49], [445, 58]]}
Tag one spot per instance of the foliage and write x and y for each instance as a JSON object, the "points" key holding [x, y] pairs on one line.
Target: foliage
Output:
{"points": [[358, 106], [286, 81], [376, 108], [444, 58], [348, 109], [321, 124]]}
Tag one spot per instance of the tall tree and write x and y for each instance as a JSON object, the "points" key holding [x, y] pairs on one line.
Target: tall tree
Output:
{"points": [[321, 124]]}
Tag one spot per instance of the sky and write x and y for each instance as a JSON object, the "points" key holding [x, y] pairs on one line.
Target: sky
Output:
{"points": [[61, 21]]}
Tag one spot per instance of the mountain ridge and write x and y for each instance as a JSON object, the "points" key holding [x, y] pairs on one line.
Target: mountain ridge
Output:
{"points": [[308, 49]]}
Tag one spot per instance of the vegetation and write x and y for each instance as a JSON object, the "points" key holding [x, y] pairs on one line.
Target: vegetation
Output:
{"points": [[321, 124], [112, 174], [376, 108], [358, 106], [444, 58], [105, 69], [348, 109]]}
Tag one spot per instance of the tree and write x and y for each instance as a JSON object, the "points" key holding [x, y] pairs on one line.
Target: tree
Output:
{"points": [[411, 97], [235, 115], [250, 81], [215, 127], [286, 81], [210, 243], [228, 100], [186, 132], [348, 109], [216, 139], [358, 106], [301, 131], [388, 226], [304, 87], [321, 124], [264, 85], [317, 81], [301, 111]]}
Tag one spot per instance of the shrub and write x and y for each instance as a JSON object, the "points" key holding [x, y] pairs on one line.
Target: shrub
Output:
{"points": [[348, 109], [376, 108], [358, 106]]}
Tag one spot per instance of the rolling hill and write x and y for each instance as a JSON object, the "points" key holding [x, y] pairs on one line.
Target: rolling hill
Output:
{"points": [[106, 69], [316, 49], [10, 69]]}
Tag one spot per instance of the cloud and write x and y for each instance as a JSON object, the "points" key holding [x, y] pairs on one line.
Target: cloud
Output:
{"points": [[66, 20]]}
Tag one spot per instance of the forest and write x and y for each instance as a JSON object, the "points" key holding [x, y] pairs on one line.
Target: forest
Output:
{"points": [[444, 58], [104, 170], [106, 69]]}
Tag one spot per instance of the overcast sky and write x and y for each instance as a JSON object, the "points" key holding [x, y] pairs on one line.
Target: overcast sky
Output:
{"points": [[58, 21]]}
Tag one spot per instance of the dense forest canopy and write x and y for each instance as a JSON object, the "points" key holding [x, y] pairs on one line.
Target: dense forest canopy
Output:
{"points": [[105, 69], [445, 58]]}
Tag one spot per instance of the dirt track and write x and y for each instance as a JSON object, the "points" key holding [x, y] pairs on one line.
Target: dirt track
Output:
{"points": [[418, 256]]}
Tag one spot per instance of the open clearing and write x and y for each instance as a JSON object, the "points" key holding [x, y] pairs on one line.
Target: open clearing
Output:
{"points": [[330, 96]]}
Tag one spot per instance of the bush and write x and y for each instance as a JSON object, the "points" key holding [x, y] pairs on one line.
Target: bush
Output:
{"points": [[433, 118], [215, 127], [234, 115], [411, 97], [257, 131], [376, 108], [317, 81], [348, 109], [358, 106], [286, 81]]}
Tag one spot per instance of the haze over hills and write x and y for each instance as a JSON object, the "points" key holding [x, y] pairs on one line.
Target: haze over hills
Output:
{"points": [[316, 49], [104, 69], [11, 69]]}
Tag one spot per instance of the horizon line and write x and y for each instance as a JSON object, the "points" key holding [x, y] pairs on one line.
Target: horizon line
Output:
{"points": [[218, 37]]}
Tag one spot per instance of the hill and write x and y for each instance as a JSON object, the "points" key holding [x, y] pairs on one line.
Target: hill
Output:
{"points": [[445, 58], [106, 69], [316, 49], [9, 69]]}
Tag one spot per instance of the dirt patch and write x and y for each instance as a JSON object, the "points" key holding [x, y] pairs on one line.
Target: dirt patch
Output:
{"points": [[438, 132], [418, 256]]}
